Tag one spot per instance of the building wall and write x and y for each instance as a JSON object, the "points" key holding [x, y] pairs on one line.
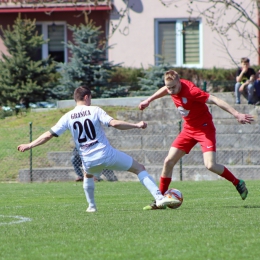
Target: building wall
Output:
{"points": [[134, 40], [71, 18]]}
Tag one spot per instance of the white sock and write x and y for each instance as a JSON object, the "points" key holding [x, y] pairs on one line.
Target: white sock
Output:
{"points": [[147, 180], [89, 187]]}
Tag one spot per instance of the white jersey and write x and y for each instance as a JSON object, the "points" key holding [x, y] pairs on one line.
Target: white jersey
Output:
{"points": [[85, 125]]}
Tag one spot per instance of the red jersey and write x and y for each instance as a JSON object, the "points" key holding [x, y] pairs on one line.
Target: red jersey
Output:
{"points": [[191, 103]]}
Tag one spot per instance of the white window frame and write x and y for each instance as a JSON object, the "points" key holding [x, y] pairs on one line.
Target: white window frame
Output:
{"points": [[45, 49], [179, 42]]}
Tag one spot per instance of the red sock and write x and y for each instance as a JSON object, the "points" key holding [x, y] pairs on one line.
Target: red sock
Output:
{"points": [[164, 184], [228, 175]]}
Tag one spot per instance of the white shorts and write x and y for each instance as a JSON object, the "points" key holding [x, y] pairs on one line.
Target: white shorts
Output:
{"points": [[118, 161]]}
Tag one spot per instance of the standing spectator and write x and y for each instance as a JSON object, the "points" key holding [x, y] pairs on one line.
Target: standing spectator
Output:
{"points": [[245, 79], [198, 128], [85, 124]]}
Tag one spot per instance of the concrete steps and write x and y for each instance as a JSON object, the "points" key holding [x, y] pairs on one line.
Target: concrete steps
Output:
{"points": [[194, 173], [151, 157]]}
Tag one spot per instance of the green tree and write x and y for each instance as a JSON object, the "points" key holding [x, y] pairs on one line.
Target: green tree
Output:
{"points": [[152, 80], [88, 64], [22, 77]]}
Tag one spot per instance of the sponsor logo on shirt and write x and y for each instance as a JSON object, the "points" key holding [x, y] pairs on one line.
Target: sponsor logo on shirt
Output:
{"points": [[183, 111], [80, 114], [184, 100], [89, 145]]}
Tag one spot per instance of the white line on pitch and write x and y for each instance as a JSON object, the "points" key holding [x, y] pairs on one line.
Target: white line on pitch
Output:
{"points": [[19, 219]]}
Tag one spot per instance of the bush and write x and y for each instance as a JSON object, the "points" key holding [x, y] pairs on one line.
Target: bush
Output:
{"points": [[127, 76], [146, 81], [4, 114]]}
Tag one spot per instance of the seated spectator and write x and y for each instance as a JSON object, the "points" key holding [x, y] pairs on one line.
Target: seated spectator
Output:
{"points": [[245, 80]]}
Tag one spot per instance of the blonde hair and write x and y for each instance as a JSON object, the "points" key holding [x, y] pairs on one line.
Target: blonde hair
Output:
{"points": [[171, 76]]}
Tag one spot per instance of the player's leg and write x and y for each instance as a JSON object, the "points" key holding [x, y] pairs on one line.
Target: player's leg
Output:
{"points": [[180, 146], [174, 155], [250, 91], [210, 163], [207, 139], [172, 158], [122, 161], [237, 93], [147, 180], [89, 188]]}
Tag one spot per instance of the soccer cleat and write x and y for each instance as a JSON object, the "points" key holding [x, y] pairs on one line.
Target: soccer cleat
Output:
{"points": [[241, 188], [153, 206], [167, 201], [91, 209]]}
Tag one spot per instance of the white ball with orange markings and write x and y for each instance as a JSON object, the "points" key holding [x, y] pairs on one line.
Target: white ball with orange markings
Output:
{"points": [[177, 195]]}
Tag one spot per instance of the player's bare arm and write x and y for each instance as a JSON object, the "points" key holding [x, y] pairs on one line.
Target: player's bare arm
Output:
{"points": [[122, 125], [158, 94], [39, 141], [241, 118]]}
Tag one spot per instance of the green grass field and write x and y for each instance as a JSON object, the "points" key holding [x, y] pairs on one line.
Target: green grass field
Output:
{"points": [[212, 223]]}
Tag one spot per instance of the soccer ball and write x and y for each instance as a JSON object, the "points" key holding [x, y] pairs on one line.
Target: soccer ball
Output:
{"points": [[176, 194]]}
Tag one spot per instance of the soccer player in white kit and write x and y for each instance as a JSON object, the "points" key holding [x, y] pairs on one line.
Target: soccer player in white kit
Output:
{"points": [[85, 124]]}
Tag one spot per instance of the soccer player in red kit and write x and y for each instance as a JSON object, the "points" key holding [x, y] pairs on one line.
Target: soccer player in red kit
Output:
{"points": [[198, 128]]}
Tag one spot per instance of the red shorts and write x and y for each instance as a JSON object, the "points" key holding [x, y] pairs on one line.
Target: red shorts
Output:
{"points": [[189, 137]]}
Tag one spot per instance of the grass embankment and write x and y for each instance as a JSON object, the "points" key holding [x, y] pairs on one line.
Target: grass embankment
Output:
{"points": [[15, 130]]}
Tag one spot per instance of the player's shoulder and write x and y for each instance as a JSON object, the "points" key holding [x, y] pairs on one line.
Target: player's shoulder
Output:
{"points": [[97, 109], [94, 107], [188, 85], [187, 82]]}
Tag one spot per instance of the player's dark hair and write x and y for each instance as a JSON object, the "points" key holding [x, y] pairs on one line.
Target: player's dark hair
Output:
{"points": [[244, 59], [81, 92]]}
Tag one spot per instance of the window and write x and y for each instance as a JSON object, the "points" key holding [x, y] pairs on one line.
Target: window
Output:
{"points": [[56, 34], [178, 42]]}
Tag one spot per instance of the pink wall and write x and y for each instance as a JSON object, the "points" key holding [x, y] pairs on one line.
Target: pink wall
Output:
{"points": [[134, 39]]}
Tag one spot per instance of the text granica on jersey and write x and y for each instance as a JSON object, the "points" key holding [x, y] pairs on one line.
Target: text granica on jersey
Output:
{"points": [[80, 114]]}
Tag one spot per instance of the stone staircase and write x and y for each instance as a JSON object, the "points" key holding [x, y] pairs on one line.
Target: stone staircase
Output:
{"points": [[238, 146]]}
